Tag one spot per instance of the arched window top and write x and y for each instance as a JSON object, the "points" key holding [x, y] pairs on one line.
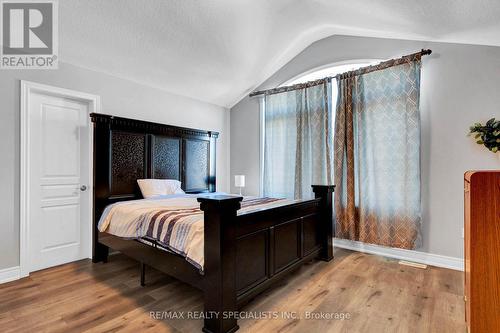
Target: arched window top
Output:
{"points": [[330, 70]]}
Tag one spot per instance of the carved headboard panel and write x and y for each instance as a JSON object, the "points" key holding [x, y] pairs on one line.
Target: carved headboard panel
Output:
{"points": [[126, 150]]}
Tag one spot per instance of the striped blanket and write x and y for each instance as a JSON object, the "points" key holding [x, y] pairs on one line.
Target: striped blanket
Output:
{"points": [[175, 222]]}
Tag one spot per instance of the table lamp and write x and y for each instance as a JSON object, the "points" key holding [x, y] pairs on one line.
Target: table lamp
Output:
{"points": [[239, 181]]}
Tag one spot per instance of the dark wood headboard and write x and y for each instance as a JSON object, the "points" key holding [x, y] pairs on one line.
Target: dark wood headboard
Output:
{"points": [[126, 150]]}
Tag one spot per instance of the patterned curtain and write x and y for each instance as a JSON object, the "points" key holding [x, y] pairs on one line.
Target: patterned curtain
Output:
{"points": [[377, 157], [298, 140]]}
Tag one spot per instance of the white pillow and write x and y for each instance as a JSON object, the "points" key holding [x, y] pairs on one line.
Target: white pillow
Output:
{"points": [[151, 188]]}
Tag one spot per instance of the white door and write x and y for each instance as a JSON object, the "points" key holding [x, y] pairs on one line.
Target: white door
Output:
{"points": [[59, 216]]}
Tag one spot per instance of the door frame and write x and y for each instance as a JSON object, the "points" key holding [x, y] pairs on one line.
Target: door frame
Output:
{"points": [[94, 105]]}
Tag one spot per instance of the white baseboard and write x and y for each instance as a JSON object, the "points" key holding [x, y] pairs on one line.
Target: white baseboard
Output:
{"points": [[10, 274], [409, 255], [14, 273]]}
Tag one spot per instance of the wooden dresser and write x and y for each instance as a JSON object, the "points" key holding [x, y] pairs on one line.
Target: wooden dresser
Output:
{"points": [[482, 251]]}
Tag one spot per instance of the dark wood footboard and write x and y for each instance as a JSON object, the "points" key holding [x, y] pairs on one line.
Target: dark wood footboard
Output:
{"points": [[245, 254]]}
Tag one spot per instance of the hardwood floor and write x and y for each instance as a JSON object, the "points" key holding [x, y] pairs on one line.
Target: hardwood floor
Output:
{"points": [[375, 293]]}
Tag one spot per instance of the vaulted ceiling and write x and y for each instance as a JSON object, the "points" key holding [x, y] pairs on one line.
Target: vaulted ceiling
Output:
{"points": [[218, 50]]}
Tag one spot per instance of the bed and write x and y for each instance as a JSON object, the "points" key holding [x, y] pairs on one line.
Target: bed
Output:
{"points": [[247, 244]]}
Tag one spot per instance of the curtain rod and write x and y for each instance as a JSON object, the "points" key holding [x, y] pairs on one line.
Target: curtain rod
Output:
{"points": [[359, 71]]}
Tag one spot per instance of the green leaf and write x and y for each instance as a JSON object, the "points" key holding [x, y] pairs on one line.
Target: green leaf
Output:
{"points": [[479, 142]]}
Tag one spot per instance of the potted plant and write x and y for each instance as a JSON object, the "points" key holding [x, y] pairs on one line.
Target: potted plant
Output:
{"points": [[488, 134]]}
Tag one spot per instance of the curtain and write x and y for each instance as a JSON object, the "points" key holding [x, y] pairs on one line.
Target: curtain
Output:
{"points": [[377, 157], [298, 150]]}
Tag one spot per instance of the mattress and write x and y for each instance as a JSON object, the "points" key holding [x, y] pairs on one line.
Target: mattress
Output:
{"points": [[174, 222]]}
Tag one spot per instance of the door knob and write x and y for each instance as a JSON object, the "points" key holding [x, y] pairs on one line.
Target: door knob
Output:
{"points": [[83, 188]]}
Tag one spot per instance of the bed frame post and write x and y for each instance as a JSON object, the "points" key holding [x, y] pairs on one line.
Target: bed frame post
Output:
{"points": [[220, 262], [325, 193], [100, 252]]}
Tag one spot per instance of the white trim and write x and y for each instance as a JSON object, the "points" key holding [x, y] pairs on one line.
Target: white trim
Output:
{"points": [[27, 88], [262, 134], [9, 274], [409, 255]]}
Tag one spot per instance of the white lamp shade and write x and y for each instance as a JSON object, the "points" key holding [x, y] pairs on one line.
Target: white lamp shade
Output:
{"points": [[239, 180]]}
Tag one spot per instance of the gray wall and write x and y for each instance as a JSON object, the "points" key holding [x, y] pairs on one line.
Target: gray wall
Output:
{"points": [[119, 97], [460, 85]]}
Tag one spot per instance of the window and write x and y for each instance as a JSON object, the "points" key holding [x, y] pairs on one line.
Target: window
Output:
{"points": [[330, 70], [326, 71]]}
